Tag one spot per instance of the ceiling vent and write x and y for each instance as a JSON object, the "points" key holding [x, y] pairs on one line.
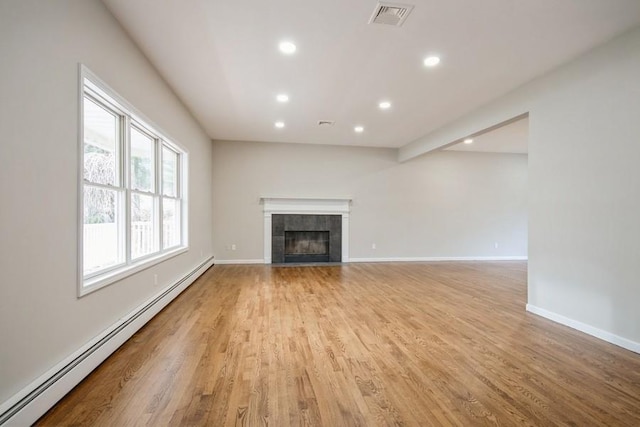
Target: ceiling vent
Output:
{"points": [[390, 13], [325, 122]]}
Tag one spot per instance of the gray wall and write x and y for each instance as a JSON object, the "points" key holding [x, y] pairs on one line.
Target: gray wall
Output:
{"points": [[41, 43], [585, 192], [448, 204], [584, 197]]}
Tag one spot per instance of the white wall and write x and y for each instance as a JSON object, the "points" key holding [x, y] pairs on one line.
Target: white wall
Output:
{"points": [[584, 197], [41, 43], [585, 192], [449, 204]]}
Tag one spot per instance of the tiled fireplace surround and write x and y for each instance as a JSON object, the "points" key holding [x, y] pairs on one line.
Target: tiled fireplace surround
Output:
{"points": [[300, 214], [283, 223]]}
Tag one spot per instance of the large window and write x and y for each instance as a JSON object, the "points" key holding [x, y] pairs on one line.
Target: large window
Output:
{"points": [[133, 189]]}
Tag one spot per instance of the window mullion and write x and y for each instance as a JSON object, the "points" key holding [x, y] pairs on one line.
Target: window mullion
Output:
{"points": [[180, 196], [126, 171], [178, 175], [159, 192]]}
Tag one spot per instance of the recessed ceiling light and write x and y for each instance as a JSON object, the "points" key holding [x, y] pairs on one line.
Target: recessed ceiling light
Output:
{"points": [[468, 141], [359, 129], [287, 48], [279, 125], [282, 97], [431, 61], [384, 105]]}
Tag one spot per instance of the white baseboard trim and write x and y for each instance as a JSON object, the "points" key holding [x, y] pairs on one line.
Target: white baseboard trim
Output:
{"points": [[239, 261], [393, 259], [29, 404], [460, 258], [587, 329]]}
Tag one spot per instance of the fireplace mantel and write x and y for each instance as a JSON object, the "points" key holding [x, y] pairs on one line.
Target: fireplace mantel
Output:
{"points": [[309, 206], [286, 205]]}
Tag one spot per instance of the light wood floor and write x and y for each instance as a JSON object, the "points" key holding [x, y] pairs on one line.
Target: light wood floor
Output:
{"points": [[363, 344]]}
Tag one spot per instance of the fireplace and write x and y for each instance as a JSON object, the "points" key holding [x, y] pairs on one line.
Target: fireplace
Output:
{"points": [[306, 238], [306, 214]]}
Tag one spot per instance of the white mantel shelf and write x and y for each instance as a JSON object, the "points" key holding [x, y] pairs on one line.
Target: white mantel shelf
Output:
{"points": [[305, 205], [308, 206]]}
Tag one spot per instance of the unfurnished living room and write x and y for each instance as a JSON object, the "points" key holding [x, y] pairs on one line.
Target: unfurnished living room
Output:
{"points": [[328, 213]]}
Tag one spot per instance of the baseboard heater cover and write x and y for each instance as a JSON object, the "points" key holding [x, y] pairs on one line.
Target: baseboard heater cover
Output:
{"points": [[47, 390]]}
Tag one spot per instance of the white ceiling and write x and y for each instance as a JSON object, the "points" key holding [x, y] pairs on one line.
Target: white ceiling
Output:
{"points": [[222, 59], [510, 138]]}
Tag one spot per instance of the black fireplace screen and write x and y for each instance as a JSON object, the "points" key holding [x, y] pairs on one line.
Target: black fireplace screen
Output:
{"points": [[306, 243]]}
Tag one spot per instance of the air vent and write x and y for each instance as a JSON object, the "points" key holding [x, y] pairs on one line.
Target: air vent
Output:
{"points": [[325, 122], [390, 13]]}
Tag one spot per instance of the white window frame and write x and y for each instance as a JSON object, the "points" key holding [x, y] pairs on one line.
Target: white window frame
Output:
{"points": [[90, 84]]}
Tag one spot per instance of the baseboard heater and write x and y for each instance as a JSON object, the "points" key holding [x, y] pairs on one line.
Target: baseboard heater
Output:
{"points": [[68, 367]]}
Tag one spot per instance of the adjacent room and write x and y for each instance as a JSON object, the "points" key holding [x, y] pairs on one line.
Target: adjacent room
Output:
{"points": [[319, 213]]}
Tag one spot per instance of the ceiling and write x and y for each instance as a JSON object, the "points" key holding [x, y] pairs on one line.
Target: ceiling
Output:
{"points": [[222, 59], [510, 138]]}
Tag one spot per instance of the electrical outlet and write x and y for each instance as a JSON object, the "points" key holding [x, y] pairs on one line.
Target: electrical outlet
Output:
{"points": [[155, 279], [373, 246], [495, 245], [233, 247]]}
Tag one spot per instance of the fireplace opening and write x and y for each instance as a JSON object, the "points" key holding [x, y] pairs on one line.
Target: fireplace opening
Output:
{"points": [[306, 246]]}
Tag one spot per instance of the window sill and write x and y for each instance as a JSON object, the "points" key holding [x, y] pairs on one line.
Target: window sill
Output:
{"points": [[98, 282]]}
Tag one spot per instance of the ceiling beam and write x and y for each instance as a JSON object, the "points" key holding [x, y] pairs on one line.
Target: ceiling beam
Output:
{"points": [[509, 108]]}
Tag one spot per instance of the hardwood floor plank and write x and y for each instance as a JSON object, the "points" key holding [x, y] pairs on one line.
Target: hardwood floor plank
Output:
{"points": [[414, 344]]}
